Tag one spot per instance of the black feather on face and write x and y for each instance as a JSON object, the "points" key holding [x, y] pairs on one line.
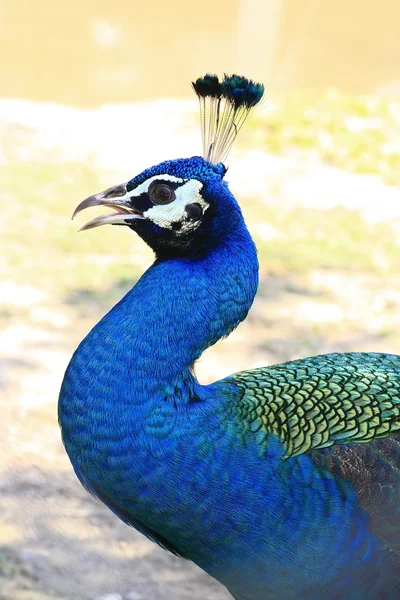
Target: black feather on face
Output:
{"points": [[194, 212], [186, 237]]}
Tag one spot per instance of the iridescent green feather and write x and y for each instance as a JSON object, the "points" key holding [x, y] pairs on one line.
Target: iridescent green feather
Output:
{"points": [[324, 400]]}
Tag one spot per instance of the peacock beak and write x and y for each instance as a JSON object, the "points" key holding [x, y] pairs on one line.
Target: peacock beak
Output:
{"points": [[116, 197]]}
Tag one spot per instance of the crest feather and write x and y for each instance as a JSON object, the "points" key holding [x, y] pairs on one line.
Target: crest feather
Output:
{"points": [[224, 107]]}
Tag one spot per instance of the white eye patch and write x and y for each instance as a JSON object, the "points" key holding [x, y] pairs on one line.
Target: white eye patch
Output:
{"points": [[165, 215], [143, 187]]}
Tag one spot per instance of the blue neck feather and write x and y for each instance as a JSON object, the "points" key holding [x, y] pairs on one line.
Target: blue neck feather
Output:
{"points": [[146, 345]]}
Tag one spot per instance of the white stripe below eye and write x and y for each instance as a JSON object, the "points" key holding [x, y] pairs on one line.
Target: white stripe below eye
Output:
{"points": [[143, 187]]}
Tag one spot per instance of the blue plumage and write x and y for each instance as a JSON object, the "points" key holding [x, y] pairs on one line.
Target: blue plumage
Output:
{"points": [[261, 478]]}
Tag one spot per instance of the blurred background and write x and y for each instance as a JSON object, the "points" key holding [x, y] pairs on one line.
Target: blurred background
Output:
{"points": [[91, 93]]}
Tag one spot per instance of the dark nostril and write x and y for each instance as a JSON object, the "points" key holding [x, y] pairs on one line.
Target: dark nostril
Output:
{"points": [[194, 212], [116, 191]]}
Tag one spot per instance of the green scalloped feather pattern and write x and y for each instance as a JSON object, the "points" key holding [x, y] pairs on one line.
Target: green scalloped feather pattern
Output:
{"points": [[323, 400]]}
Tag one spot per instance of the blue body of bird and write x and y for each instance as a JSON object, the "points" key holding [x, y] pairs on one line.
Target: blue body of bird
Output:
{"points": [[280, 482]]}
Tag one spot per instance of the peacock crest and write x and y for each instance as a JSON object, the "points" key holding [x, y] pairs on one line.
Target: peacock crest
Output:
{"points": [[224, 107]]}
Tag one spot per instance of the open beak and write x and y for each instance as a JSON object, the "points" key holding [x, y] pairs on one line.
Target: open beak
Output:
{"points": [[116, 197]]}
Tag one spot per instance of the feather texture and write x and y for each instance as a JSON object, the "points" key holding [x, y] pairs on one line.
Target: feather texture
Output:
{"points": [[374, 471], [323, 400]]}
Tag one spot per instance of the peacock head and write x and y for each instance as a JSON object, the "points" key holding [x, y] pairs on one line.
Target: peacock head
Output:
{"points": [[172, 206], [180, 207]]}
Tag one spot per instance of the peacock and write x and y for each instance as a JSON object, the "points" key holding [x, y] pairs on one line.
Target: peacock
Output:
{"points": [[281, 482]]}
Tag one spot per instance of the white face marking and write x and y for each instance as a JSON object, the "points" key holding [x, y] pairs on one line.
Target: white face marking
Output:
{"points": [[143, 187], [166, 214]]}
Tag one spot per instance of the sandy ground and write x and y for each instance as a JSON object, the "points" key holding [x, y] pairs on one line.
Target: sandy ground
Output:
{"points": [[55, 540]]}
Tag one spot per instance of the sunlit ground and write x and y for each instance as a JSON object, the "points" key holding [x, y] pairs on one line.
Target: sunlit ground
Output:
{"points": [[316, 176]]}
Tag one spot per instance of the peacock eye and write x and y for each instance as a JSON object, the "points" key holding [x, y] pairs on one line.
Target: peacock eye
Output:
{"points": [[161, 193]]}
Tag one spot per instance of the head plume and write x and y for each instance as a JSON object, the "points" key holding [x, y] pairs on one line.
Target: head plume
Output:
{"points": [[224, 107]]}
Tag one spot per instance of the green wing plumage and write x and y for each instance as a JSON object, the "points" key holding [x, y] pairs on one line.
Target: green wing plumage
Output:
{"points": [[321, 401], [343, 410]]}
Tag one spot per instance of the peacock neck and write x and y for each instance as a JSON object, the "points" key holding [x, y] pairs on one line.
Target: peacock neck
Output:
{"points": [[149, 341]]}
